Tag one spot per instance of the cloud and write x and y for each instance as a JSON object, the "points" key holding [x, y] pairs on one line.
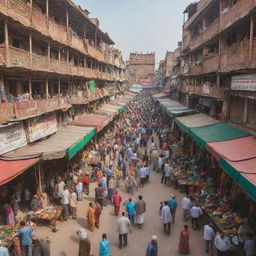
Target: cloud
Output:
{"points": [[140, 25]]}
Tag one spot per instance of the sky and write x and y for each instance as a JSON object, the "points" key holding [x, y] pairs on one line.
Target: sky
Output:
{"points": [[140, 25]]}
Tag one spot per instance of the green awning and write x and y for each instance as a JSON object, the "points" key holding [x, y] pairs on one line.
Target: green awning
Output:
{"points": [[122, 108], [77, 147], [197, 120], [214, 133], [243, 173]]}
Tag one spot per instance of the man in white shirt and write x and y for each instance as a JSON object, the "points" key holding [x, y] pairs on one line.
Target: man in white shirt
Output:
{"points": [[65, 202], [186, 205], [208, 237], [195, 213], [123, 225], [143, 176], [166, 218], [222, 244]]}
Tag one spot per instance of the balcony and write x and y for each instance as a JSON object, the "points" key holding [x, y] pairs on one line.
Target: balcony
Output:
{"points": [[235, 57], [40, 62], [93, 52], [18, 57], [77, 43], [204, 90], [205, 36], [58, 32], [211, 64], [20, 11], [39, 21], [236, 12]]}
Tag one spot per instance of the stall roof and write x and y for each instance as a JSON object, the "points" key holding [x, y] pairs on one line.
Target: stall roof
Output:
{"points": [[160, 95], [91, 120], [214, 133], [9, 170], [197, 120], [108, 109], [244, 173], [67, 141], [234, 150], [178, 112]]}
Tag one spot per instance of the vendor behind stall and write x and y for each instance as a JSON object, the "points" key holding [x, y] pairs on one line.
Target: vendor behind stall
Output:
{"points": [[36, 203]]}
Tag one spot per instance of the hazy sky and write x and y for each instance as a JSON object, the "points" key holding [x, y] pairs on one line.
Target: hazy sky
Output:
{"points": [[140, 25]]}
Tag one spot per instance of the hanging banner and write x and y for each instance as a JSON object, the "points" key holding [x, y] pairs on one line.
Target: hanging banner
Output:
{"points": [[42, 126], [11, 138], [244, 82]]}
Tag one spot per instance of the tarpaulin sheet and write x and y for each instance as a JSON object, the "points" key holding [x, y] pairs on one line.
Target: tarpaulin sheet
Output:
{"points": [[244, 173], [91, 120], [178, 112], [234, 150], [214, 133], [197, 120], [160, 95], [54, 147], [108, 109], [9, 170], [122, 108]]}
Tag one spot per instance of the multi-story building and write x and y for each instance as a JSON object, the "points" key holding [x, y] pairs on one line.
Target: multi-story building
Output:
{"points": [[141, 69], [218, 59], [53, 55]]}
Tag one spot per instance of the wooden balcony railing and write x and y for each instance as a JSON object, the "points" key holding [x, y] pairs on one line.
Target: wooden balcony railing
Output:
{"points": [[58, 32], [40, 62], [39, 20], [204, 90], [93, 52], [58, 66], [236, 12], [19, 57]]}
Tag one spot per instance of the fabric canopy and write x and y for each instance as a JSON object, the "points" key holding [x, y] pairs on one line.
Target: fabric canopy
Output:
{"points": [[108, 109], [214, 133], [9, 170], [160, 95], [244, 173], [178, 112], [234, 150], [197, 120], [56, 146], [91, 120]]}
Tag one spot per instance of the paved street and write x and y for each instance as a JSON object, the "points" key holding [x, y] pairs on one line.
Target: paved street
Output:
{"points": [[65, 242]]}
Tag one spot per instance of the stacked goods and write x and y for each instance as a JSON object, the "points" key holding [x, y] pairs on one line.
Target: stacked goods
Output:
{"points": [[7, 234]]}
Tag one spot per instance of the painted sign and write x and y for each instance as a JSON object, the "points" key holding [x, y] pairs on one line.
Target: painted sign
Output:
{"points": [[244, 82], [42, 126], [11, 138]]}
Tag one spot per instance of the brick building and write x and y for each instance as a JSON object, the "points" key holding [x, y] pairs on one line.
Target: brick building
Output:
{"points": [[141, 68], [49, 52], [218, 59]]}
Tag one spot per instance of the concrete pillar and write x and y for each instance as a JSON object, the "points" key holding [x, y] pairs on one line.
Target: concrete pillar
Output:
{"points": [[251, 37], [67, 25], [49, 54], [30, 85], [47, 88], [30, 49], [47, 12], [6, 41], [245, 110], [59, 54], [58, 86]]}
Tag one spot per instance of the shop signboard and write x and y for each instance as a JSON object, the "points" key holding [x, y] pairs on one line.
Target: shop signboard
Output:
{"points": [[244, 82], [11, 138], [42, 126]]}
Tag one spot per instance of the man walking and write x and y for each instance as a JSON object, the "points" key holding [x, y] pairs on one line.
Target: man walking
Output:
{"points": [[84, 242], [172, 203], [123, 225], [99, 195], [208, 237], [222, 244], [186, 205], [140, 210], [195, 213], [25, 234], [65, 202], [130, 208], [117, 199], [152, 248], [166, 218]]}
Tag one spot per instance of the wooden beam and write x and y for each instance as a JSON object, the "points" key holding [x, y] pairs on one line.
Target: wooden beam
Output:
{"points": [[30, 49], [58, 86], [47, 12], [6, 41], [59, 54], [30, 85], [251, 37], [49, 54], [47, 88]]}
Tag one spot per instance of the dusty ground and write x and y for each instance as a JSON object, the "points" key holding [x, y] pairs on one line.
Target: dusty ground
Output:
{"points": [[65, 241]]}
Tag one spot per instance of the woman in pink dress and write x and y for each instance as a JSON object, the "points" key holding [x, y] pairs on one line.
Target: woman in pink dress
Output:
{"points": [[184, 241]]}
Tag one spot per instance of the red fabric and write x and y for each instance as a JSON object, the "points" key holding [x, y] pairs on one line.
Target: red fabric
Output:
{"points": [[11, 169], [184, 241], [234, 150], [89, 120], [247, 169], [86, 180]]}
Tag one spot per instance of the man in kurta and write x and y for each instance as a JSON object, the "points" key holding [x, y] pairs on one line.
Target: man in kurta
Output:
{"points": [[117, 199], [91, 217], [84, 242], [166, 218], [140, 210]]}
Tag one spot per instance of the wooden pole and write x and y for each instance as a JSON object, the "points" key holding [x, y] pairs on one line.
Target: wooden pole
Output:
{"points": [[58, 86], [6, 41], [47, 88], [49, 54], [47, 12], [30, 50], [30, 85], [59, 54], [251, 37]]}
